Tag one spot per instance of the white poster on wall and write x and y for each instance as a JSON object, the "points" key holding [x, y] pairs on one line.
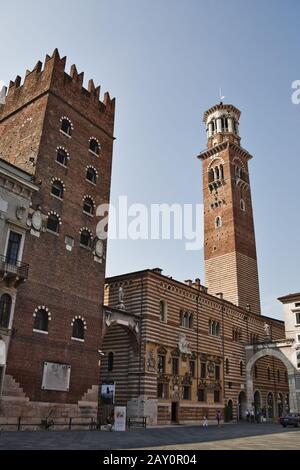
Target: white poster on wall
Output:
{"points": [[56, 377], [120, 418]]}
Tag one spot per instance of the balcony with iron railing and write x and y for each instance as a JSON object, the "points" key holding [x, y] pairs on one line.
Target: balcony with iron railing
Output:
{"points": [[12, 271]]}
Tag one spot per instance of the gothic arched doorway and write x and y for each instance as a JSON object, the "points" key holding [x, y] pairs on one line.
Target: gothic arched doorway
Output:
{"points": [[242, 403]]}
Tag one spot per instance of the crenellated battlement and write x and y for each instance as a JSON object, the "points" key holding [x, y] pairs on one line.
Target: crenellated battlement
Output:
{"points": [[51, 77]]}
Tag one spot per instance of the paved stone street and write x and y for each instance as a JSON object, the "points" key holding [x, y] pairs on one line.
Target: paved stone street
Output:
{"points": [[233, 436]]}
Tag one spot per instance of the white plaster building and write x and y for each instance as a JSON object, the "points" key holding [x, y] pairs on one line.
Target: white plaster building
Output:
{"points": [[16, 188], [291, 312]]}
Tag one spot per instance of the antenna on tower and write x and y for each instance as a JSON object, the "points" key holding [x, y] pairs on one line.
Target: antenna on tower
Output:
{"points": [[221, 96]]}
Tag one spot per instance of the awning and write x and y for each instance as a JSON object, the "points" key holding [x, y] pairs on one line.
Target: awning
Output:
{"points": [[2, 353]]}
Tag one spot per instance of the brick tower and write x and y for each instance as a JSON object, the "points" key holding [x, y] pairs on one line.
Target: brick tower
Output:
{"points": [[229, 250], [61, 133]]}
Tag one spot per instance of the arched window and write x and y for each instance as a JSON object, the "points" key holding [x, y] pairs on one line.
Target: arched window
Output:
{"points": [[241, 368], [235, 127], [53, 223], [227, 366], [110, 362], [186, 319], [66, 126], [224, 121], [213, 126], [41, 320], [78, 329], [57, 189], [62, 157], [85, 238], [218, 222], [5, 310], [214, 328], [217, 173], [88, 206], [94, 146], [243, 205], [162, 311], [238, 172], [91, 175], [211, 176]]}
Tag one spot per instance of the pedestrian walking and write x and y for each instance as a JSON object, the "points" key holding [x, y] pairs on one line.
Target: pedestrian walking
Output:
{"points": [[205, 423], [252, 417], [248, 416]]}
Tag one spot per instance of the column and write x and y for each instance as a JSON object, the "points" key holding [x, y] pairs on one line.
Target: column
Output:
{"points": [[219, 125]]}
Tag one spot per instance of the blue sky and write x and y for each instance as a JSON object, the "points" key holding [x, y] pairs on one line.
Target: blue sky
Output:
{"points": [[164, 61]]}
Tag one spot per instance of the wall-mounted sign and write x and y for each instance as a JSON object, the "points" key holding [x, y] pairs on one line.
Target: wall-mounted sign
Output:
{"points": [[108, 392]]}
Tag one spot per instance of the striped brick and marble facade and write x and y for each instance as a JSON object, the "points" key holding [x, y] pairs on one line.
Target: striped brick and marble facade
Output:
{"points": [[179, 325]]}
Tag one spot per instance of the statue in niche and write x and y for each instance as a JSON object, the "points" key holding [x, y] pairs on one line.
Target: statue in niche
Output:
{"points": [[267, 329], [108, 319], [211, 369], [121, 304], [150, 362], [183, 344]]}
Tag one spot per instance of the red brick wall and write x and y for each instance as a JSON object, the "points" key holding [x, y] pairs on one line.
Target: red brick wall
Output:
{"points": [[68, 283]]}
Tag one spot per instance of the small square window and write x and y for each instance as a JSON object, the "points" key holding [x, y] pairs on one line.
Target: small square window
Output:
{"points": [[161, 364]]}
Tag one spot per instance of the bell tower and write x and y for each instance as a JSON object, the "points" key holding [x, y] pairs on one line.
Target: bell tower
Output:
{"points": [[229, 238]]}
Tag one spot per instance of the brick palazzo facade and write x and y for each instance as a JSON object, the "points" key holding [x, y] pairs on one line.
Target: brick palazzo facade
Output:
{"points": [[186, 358], [62, 134]]}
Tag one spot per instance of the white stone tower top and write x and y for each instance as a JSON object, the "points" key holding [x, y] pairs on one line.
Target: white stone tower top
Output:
{"points": [[222, 123]]}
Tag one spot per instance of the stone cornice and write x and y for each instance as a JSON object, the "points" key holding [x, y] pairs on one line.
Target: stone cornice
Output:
{"points": [[208, 153], [228, 107]]}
